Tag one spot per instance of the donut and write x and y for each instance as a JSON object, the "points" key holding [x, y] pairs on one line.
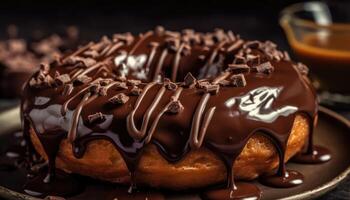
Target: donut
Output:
{"points": [[175, 110]]}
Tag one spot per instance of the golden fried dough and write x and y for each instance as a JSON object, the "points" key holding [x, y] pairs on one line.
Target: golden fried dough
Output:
{"points": [[198, 168]]}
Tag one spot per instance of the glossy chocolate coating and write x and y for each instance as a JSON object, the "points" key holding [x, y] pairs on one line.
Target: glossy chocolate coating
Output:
{"points": [[214, 111]]}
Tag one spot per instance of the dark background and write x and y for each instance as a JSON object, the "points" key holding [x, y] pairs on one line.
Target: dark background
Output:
{"points": [[257, 19]]}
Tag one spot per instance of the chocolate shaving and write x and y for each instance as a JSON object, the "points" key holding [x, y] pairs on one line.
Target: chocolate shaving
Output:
{"points": [[175, 107], [48, 81], [239, 60], [172, 44], [128, 38], [189, 80], [103, 91], [67, 90], [136, 91], [211, 88], [45, 68], [94, 88], [62, 79], [238, 68], [132, 82], [105, 82], [120, 98], [265, 68], [238, 80], [286, 56], [159, 30], [121, 86], [303, 69], [82, 79], [91, 53], [253, 59], [252, 45], [77, 61], [96, 118], [169, 84], [186, 51]]}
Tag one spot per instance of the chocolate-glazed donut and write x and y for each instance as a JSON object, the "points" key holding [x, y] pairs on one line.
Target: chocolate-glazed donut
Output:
{"points": [[175, 96]]}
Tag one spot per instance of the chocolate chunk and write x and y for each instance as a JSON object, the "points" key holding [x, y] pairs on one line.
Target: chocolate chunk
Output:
{"points": [[62, 79], [252, 45], [120, 98], [127, 38], [172, 44], [238, 68], [169, 84], [202, 83], [136, 91], [121, 86], [94, 88], [253, 59], [103, 91], [186, 51], [33, 82], [265, 68], [212, 89], [91, 53], [159, 30], [238, 80], [132, 82], [105, 82], [45, 67], [82, 79], [96, 118], [286, 56], [175, 107], [189, 80], [67, 90], [239, 60], [80, 61], [303, 69], [48, 81]]}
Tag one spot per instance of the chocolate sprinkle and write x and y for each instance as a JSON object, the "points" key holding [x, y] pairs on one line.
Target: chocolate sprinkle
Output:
{"points": [[169, 84], [189, 80], [175, 107], [62, 79], [82, 79], [136, 91], [265, 68], [238, 80], [238, 68], [120, 98], [96, 118]]}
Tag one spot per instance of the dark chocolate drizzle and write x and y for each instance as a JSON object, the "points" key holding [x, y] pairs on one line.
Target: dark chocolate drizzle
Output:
{"points": [[221, 117]]}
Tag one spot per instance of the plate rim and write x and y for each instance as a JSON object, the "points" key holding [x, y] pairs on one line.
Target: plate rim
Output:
{"points": [[310, 194], [322, 189]]}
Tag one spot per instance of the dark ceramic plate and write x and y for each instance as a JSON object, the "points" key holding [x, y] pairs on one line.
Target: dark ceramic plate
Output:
{"points": [[333, 131]]}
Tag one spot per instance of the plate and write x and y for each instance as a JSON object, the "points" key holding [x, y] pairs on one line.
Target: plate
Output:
{"points": [[332, 131]]}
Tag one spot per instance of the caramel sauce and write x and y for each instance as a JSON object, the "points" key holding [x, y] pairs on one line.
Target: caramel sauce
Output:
{"points": [[328, 57]]}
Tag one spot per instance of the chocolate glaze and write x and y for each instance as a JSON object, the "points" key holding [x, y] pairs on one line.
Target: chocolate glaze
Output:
{"points": [[219, 118]]}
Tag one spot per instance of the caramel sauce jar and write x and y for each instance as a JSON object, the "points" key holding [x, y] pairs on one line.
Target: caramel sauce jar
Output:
{"points": [[324, 46]]}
